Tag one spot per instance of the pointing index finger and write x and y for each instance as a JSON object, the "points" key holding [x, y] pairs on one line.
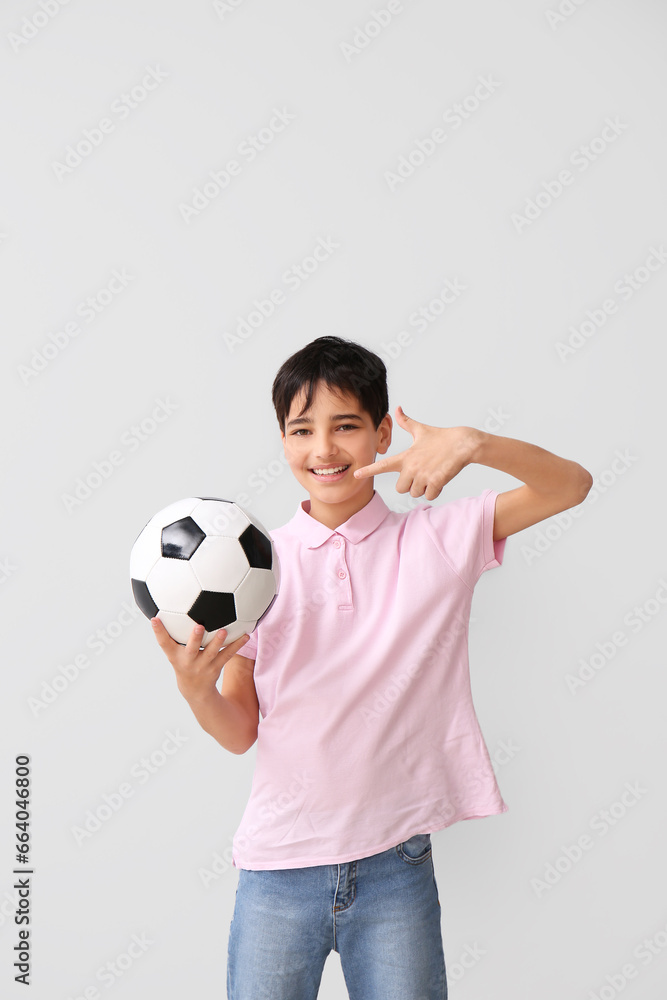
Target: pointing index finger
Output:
{"points": [[392, 464]]}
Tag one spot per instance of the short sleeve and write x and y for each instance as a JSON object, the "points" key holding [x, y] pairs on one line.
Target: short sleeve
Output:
{"points": [[462, 530]]}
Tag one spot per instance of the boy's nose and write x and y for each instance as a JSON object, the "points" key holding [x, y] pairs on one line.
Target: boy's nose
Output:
{"points": [[324, 448]]}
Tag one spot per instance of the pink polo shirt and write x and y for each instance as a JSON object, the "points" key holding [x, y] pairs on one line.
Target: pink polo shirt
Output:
{"points": [[368, 732]]}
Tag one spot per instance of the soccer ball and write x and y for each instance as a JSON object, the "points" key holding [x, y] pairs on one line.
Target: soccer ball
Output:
{"points": [[206, 561]]}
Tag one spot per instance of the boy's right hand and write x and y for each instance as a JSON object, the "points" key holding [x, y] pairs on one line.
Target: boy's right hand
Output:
{"points": [[197, 670]]}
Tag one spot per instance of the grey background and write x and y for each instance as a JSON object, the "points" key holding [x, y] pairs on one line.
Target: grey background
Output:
{"points": [[490, 360]]}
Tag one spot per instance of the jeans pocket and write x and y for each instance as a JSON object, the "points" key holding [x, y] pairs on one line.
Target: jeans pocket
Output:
{"points": [[415, 850]]}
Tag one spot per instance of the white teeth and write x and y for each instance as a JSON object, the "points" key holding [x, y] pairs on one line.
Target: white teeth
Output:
{"points": [[330, 472]]}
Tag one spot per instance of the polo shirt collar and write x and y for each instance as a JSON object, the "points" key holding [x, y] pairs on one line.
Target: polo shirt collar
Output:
{"points": [[313, 533]]}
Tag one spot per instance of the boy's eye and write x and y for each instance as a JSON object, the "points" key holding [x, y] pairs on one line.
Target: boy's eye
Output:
{"points": [[304, 430]]}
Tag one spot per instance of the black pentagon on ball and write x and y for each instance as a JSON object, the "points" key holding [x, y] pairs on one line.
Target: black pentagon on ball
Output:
{"points": [[257, 547], [181, 539], [217, 499], [143, 598], [213, 610]]}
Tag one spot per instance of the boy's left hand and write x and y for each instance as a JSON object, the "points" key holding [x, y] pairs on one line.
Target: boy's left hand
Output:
{"points": [[432, 460]]}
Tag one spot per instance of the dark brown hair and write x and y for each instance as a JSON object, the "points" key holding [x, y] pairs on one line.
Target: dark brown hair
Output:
{"points": [[342, 365]]}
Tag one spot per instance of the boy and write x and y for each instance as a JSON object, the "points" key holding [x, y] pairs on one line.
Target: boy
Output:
{"points": [[369, 739]]}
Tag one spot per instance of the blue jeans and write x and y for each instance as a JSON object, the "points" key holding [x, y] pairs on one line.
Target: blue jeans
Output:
{"points": [[381, 914]]}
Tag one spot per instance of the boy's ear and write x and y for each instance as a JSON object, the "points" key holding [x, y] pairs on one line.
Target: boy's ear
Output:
{"points": [[384, 431]]}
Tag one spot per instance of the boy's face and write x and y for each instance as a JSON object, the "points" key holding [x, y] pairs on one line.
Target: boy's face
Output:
{"points": [[334, 432]]}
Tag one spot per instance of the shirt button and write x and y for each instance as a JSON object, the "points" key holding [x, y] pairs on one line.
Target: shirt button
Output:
{"points": [[342, 574], [336, 542]]}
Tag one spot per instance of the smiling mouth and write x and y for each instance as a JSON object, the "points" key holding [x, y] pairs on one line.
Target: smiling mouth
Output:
{"points": [[332, 473]]}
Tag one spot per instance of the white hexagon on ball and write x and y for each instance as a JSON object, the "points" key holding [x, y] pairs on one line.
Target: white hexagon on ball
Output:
{"points": [[172, 585], [219, 564], [175, 511], [237, 629], [180, 626], [216, 517], [147, 550], [255, 592]]}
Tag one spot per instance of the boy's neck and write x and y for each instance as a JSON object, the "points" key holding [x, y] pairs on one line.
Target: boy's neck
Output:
{"points": [[334, 514]]}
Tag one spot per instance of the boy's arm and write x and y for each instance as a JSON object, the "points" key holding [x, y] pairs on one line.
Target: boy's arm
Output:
{"points": [[230, 717], [238, 687], [552, 484], [223, 719]]}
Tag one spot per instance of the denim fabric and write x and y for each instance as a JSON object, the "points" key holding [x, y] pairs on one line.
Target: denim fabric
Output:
{"points": [[381, 914]]}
